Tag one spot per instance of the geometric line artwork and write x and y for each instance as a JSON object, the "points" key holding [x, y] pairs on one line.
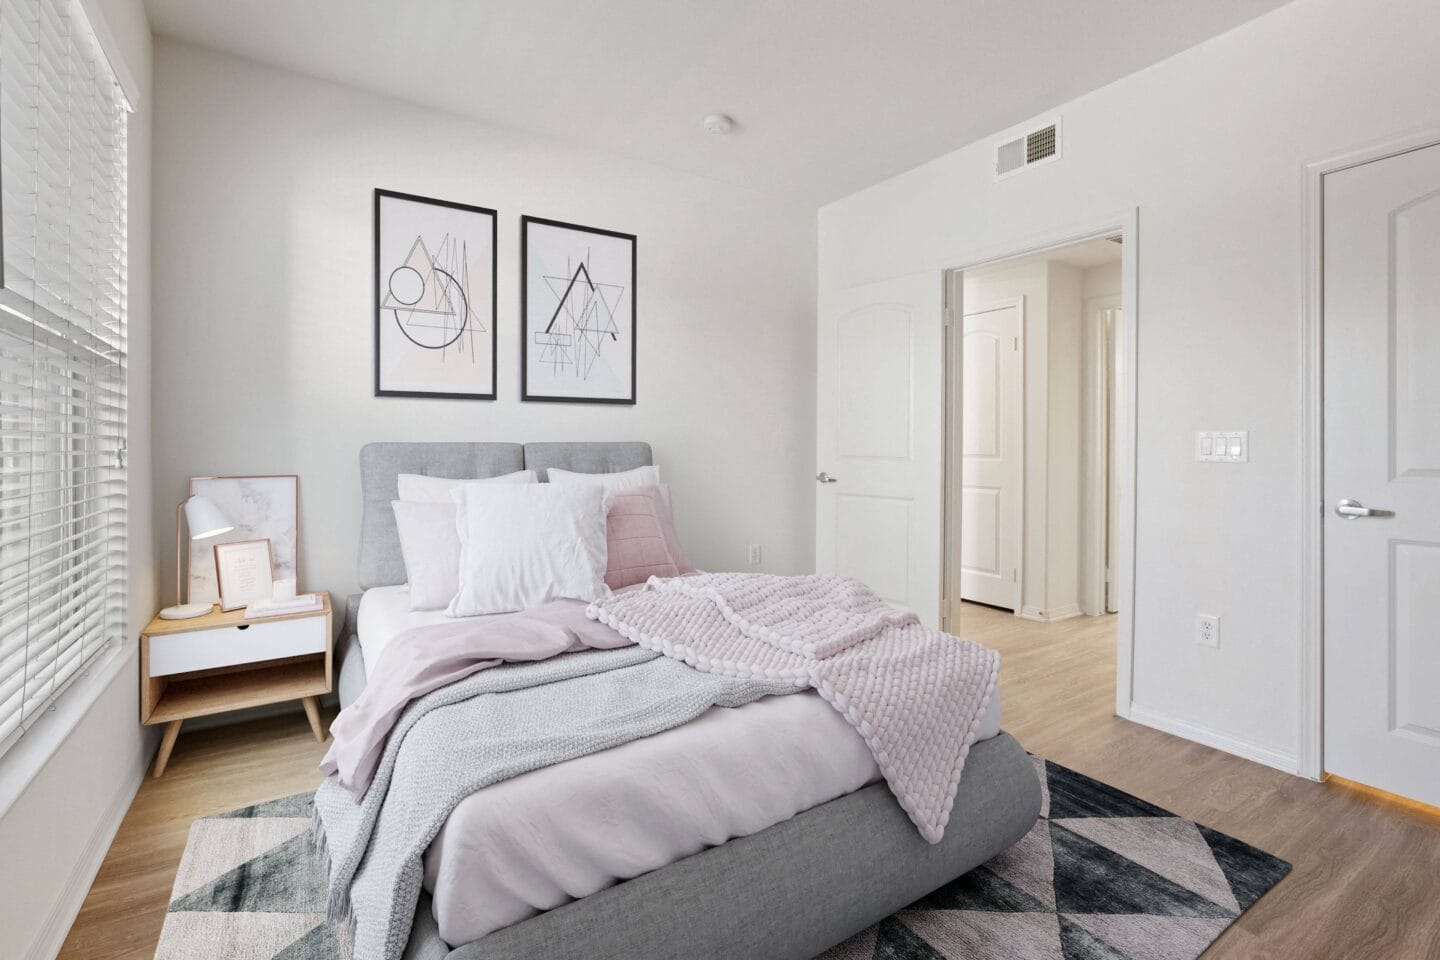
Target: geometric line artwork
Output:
{"points": [[1067, 891], [435, 298], [577, 306]]}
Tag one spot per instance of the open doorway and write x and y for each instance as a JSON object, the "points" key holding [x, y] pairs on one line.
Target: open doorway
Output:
{"points": [[1035, 468]]}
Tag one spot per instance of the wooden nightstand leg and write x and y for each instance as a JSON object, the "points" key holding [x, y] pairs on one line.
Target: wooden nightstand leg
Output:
{"points": [[167, 743], [312, 711]]}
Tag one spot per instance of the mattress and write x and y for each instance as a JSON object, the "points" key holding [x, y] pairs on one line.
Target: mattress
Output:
{"points": [[545, 838]]}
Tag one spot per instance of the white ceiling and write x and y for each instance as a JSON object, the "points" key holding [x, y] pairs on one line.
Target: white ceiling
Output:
{"points": [[829, 95]]}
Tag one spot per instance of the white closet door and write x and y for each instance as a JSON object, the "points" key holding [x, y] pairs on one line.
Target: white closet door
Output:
{"points": [[1382, 451], [880, 368], [992, 407]]}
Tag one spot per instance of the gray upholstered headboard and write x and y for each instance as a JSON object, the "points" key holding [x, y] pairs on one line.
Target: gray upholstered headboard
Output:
{"points": [[380, 463]]}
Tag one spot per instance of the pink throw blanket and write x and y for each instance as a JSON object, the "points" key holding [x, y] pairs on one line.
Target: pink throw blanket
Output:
{"points": [[427, 658], [916, 695]]}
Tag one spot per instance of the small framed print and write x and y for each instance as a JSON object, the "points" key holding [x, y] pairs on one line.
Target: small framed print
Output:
{"points": [[577, 313], [244, 573]]}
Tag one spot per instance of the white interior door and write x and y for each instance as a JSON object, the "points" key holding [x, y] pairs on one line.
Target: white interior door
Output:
{"points": [[992, 409], [1382, 449], [880, 392]]}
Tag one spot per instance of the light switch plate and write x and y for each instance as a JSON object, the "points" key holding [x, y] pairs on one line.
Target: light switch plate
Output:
{"points": [[1222, 446]]}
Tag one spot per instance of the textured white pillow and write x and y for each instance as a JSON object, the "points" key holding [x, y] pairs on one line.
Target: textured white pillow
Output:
{"points": [[418, 488], [522, 545], [431, 548], [624, 480]]}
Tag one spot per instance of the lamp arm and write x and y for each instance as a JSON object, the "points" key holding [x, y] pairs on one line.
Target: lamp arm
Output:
{"points": [[179, 599]]}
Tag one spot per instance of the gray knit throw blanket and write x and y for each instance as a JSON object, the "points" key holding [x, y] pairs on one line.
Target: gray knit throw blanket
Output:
{"points": [[486, 728], [916, 695]]}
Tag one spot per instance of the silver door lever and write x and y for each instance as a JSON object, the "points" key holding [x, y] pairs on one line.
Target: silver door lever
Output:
{"points": [[1354, 510], [824, 477]]}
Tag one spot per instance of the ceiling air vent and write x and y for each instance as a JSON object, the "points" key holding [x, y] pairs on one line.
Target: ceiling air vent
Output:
{"points": [[1037, 146]]}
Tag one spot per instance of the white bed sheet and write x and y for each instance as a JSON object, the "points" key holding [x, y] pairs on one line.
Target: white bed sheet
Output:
{"points": [[542, 839]]}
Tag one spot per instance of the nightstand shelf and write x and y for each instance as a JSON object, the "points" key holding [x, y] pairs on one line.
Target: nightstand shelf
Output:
{"points": [[222, 662]]}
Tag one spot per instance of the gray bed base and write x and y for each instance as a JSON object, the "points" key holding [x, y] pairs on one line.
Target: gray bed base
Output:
{"points": [[786, 893]]}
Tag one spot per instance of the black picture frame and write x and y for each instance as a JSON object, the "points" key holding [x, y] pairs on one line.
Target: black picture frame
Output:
{"points": [[380, 391], [525, 335]]}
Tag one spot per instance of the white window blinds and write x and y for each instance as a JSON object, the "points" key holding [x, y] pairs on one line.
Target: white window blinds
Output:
{"points": [[62, 355]]}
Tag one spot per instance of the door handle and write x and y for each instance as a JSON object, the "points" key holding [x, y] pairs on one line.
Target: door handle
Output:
{"points": [[824, 477], [1354, 510]]}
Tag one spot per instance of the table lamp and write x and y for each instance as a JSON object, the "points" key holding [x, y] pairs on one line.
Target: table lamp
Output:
{"points": [[204, 520]]}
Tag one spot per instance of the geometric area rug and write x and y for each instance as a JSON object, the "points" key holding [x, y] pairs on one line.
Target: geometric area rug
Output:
{"points": [[1102, 876]]}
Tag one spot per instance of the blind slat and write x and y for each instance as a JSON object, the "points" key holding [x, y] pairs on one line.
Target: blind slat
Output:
{"points": [[63, 317]]}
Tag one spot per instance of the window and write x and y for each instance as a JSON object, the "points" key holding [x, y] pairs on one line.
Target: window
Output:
{"points": [[62, 355]]}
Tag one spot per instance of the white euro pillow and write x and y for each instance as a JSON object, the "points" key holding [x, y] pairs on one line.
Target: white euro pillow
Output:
{"points": [[522, 545], [431, 548], [623, 480], [418, 488]]}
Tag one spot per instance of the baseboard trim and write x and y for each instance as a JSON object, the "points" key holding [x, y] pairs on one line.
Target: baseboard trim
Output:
{"points": [[1198, 733], [1065, 612], [47, 943]]}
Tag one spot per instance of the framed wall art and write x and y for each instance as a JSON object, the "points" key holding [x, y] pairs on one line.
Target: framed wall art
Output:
{"points": [[243, 573], [261, 508], [577, 309], [434, 298]]}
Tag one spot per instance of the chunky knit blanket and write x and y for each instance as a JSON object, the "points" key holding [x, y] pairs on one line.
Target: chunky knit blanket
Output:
{"points": [[916, 695], [480, 730]]}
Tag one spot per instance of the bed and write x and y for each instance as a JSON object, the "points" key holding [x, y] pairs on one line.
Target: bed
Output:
{"points": [[817, 850]]}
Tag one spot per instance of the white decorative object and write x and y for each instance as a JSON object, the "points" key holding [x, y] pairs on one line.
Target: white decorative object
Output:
{"points": [[621, 480], [284, 590], [418, 488], [261, 508], [522, 545], [244, 573], [431, 548]]}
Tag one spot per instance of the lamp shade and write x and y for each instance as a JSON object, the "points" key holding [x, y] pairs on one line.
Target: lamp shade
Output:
{"points": [[205, 519]]}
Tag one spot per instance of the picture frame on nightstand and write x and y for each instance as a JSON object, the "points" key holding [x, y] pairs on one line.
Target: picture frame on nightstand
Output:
{"points": [[244, 573]]}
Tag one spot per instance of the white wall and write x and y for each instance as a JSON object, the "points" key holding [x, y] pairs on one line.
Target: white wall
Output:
{"points": [[264, 308], [1209, 147], [55, 833]]}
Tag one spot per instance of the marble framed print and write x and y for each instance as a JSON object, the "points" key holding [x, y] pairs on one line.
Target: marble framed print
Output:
{"points": [[577, 313], [434, 298], [261, 508]]}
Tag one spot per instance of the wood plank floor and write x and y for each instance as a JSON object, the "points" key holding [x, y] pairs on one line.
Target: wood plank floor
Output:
{"points": [[1366, 883]]}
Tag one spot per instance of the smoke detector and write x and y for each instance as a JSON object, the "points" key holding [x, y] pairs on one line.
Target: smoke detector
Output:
{"points": [[719, 123]]}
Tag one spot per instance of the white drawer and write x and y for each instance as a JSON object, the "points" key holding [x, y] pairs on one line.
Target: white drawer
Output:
{"points": [[241, 643]]}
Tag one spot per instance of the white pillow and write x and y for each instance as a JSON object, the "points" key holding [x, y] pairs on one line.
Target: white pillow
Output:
{"points": [[522, 545], [430, 545], [624, 480], [417, 488]]}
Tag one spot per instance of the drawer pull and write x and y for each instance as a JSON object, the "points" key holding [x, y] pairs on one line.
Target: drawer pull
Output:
{"points": [[242, 626]]}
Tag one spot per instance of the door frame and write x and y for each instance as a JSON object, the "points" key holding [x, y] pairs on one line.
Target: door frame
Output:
{"points": [[1126, 223], [1312, 429], [954, 478], [1095, 500]]}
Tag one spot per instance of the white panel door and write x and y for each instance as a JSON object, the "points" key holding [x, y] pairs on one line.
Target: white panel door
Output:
{"points": [[880, 368], [991, 408], [1382, 449]]}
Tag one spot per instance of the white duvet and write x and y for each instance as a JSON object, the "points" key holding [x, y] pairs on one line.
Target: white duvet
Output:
{"points": [[542, 839]]}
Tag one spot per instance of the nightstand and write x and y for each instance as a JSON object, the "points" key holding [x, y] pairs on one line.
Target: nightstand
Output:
{"points": [[221, 661]]}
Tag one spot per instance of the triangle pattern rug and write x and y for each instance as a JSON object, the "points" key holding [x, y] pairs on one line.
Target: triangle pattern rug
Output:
{"points": [[1103, 875]]}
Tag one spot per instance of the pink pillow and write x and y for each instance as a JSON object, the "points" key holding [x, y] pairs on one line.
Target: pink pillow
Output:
{"points": [[667, 527], [635, 535]]}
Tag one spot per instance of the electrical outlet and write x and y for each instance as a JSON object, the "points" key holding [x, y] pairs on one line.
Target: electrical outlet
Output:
{"points": [[754, 554], [1207, 630]]}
